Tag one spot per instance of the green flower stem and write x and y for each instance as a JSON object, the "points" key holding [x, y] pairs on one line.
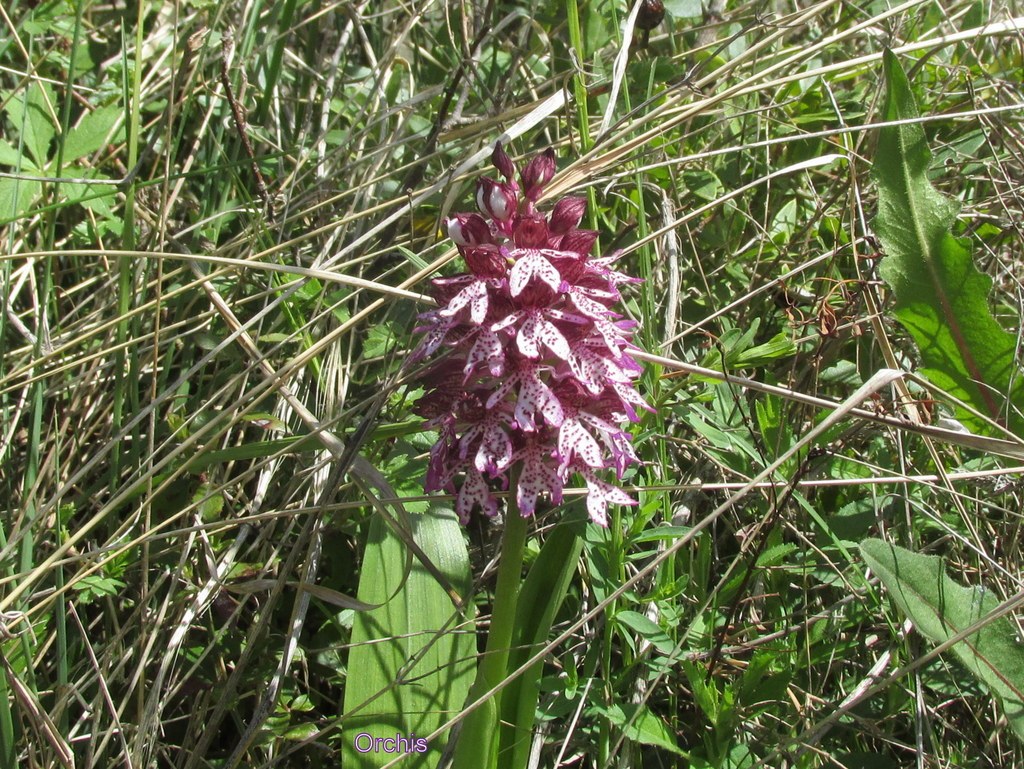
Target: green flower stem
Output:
{"points": [[478, 742], [510, 569]]}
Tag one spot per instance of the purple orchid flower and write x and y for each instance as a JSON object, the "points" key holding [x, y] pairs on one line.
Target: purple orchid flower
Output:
{"points": [[536, 375]]}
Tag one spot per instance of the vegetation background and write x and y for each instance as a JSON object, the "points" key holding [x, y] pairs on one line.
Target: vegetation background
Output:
{"points": [[217, 218]]}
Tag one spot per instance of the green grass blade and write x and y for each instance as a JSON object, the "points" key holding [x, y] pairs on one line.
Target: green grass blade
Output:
{"points": [[941, 608], [940, 296], [413, 658]]}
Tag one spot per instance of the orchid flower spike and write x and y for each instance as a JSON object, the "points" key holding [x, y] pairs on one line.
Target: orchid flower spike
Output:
{"points": [[538, 381]]}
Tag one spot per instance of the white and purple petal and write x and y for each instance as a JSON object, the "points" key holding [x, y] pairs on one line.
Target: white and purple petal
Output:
{"points": [[495, 452], [531, 264], [474, 295], [600, 494], [536, 477], [536, 396], [487, 348], [575, 442], [474, 492]]}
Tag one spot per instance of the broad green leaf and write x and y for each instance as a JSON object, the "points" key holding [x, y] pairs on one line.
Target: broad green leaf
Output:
{"points": [[95, 197], [640, 725], [779, 346], [662, 533], [9, 156], [740, 351], [31, 114], [941, 608], [941, 298], [16, 197], [396, 685], [93, 131], [785, 223], [301, 732], [703, 184], [647, 629], [683, 9]]}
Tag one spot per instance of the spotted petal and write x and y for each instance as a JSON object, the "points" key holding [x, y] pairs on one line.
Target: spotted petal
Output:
{"points": [[487, 348], [439, 470], [530, 265], [536, 477], [629, 397], [588, 306], [437, 330], [495, 452], [600, 493], [575, 442], [474, 492], [609, 335], [588, 369], [618, 443], [538, 329], [475, 295], [536, 396]]}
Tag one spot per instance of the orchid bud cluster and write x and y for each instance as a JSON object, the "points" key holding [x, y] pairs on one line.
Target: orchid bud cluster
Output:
{"points": [[535, 379]]}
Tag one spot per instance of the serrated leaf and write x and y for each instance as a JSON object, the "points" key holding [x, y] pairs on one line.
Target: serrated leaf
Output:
{"points": [[941, 608], [941, 298], [403, 677], [9, 156], [95, 197], [16, 197], [378, 341], [93, 131], [30, 113]]}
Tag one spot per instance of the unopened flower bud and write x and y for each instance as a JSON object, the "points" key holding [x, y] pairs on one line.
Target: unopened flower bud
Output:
{"points": [[567, 213], [530, 232], [468, 230], [579, 241], [495, 200], [503, 162], [486, 262], [538, 172]]}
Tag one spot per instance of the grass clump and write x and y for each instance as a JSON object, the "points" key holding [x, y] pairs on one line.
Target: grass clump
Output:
{"points": [[218, 220]]}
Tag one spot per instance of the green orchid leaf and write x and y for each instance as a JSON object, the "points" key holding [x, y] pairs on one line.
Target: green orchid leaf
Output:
{"points": [[413, 658]]}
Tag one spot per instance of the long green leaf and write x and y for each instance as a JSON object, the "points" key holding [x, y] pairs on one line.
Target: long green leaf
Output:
{"points": [[540, 597], [941, 298], [422, 687], [940, 609]]}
